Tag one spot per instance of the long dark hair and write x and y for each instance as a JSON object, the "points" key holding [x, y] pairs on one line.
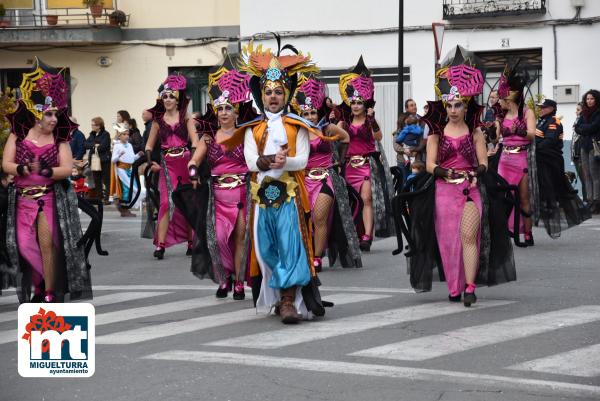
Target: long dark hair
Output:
{"points": [[585, 110], [124, 115]]}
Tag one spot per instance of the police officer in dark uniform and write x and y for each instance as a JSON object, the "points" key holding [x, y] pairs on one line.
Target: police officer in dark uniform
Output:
{"points": [[559, 206], [549, 130]]}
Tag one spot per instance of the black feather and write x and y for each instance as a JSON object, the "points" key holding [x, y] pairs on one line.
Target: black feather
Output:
{"points": [[291, 47]]}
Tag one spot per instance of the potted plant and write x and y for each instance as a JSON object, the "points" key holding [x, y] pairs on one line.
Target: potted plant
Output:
{"points": [[117, 18], [3, 23], [96, 7], [51, 19]]}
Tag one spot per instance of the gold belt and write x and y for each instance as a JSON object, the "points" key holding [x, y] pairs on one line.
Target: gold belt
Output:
{"points": [[458, 177], [357, 161], [34, 192], [124, 166], [318, 173], [229, 181], [174, 152], [514, 149]]}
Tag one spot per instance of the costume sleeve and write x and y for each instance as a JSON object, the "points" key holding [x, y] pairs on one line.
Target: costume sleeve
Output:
{"points": [[299, 161], [116, 153], [250, 150]]}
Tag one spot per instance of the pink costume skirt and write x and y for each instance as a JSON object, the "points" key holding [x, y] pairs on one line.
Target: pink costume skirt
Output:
{"points": [[356, 176], [228, 204], [27, 240], [313, 187], [178, 172], [513, 167], [450, 201]]}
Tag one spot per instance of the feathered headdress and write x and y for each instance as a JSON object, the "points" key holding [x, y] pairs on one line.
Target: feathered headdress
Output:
{"points": [[357, 85], [513, 82], [266, 68]]}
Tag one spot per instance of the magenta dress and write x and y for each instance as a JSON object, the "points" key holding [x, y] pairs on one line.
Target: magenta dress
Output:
{"points": [[362, 144], [27, 209], [320, 159], [513, 162], [459, 154], [175, 157], [228, 171]]}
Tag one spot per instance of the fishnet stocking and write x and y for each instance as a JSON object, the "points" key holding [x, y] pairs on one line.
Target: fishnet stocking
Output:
{"points": [[239, 232], [46, 244], [525, 206], [163, 227], [320, 216], [469, 227], [367, 198]]}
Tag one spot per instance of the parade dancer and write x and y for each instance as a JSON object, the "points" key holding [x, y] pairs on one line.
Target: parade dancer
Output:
{"points": [[330, 208], [456, 222], [365, 164], [176, 131], [227, 211], [276, 149], [517, 162], [43, 227]]}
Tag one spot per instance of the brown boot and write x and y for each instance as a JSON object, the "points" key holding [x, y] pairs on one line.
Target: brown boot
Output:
{"points": [[287, 310]]}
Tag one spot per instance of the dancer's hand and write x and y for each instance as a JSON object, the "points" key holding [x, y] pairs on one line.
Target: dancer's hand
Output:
{"points": [[34, 166], [280, 158], [154, 167], [370, 112]]}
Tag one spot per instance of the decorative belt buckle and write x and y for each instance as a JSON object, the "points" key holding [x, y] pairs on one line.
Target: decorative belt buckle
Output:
{"points": [[273, 193], [34, 192], [357, 161], [229, 181], [175, 152], [317, 174]]}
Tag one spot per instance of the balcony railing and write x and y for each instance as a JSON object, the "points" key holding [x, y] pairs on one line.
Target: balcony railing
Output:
{"points": [[60, 18], [456, 9]]}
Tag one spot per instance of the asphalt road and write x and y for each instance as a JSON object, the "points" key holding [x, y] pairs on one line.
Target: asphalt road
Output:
{"points": [[162, 335]]}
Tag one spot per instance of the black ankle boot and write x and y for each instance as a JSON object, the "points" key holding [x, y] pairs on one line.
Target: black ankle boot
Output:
{"points": [[159, 253], [469, 298]]}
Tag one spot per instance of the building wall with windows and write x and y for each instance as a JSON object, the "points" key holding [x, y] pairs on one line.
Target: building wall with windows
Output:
{"points": [[160, 38], [336, 32]]}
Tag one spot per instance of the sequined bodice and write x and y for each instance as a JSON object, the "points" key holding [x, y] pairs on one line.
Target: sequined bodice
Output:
{"points": [[362, 141], [457, 152], [28, 152], [172, 135], [510, 129], [320, 153], [223, 161]]}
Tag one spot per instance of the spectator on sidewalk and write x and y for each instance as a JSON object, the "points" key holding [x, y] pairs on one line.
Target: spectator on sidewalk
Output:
{"points": [[588, 127]]}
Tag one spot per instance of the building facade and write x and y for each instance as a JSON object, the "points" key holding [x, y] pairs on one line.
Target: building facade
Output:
{"points": [[114, 67], [120, 67], [554, 37]]}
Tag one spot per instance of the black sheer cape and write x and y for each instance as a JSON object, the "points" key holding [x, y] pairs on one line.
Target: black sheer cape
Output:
{"points": [[414, 213]]}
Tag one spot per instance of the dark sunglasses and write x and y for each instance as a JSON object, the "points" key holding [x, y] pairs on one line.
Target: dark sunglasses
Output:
{"points": [[168, 96]]}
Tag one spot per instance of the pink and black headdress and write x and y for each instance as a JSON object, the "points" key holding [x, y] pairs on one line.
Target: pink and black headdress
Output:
{"points": [[358, 85], [455, 82], [175, 85], [311, 94], [42, 89], [226, 85], [513, 82]]}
